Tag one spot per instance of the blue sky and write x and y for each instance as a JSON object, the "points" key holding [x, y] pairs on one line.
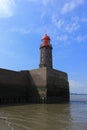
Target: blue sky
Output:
{"points": [[24, 22]]}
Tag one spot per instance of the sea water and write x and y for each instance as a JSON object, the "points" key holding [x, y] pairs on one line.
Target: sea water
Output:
{"points": [[72, 116]]}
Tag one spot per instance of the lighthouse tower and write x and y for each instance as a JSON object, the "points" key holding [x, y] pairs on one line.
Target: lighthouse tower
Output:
{"points": [[47, 85], [45, 52]]}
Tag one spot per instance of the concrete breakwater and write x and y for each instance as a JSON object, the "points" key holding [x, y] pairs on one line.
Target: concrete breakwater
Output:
{"points": [[44, 85]]}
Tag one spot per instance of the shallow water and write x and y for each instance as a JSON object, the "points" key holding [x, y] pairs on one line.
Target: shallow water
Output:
{"points": [[72, 116]]}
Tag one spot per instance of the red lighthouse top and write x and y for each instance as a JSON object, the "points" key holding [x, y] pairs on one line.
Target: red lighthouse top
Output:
{"points": [[45, 37], [45, 41]]}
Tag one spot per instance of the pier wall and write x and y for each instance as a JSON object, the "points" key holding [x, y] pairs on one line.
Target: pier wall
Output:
{"points": [[43, 85]]}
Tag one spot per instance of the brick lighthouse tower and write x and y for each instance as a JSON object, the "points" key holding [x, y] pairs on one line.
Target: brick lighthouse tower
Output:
{"points": [[46, 52]]}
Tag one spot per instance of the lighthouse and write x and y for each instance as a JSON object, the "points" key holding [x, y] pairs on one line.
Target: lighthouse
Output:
{"points": [[41, 85], [46, 52]]}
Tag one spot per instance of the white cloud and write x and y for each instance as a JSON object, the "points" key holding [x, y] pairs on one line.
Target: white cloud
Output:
{"points": [[20, 30], [57, 22], [62, 37], [65, 24], [77, 86], [71, 27], [6, 8], [69, 6], [81, 38], [84, 19], [33, 0], [73, 83], [43, 2]]}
